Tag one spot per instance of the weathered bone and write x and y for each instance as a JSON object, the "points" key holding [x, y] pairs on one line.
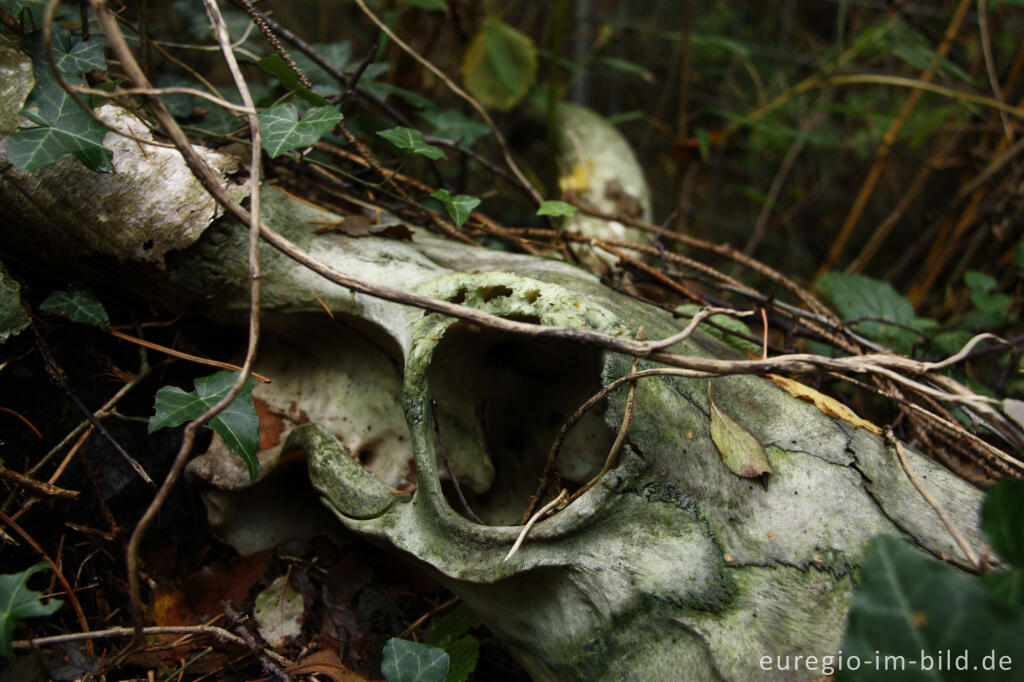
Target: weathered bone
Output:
{"points": [[670, 567]]}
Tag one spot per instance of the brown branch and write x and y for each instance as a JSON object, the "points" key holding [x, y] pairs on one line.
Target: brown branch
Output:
{"points": [[37, 487], [930, 499], [220, 634], [888, 140], [184, 356]]}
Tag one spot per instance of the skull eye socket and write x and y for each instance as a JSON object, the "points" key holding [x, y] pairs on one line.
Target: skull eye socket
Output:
{"points": [[501, 401]]}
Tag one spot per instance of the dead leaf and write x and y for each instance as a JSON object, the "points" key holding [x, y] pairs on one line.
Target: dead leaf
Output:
{"points": [[325, 663], [826, 404], [278, 612], [228, 581], [1014, 409], [740, 449]]}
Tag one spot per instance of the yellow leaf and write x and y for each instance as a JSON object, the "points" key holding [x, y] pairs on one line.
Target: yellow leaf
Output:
{"points": [[826, 404], [578, 181], [740, 449]]}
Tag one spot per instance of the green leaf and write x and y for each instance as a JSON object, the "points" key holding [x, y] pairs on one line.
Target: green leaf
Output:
{"points": [[179, 104], [1018, 251], [71, 55], [557, 208], [13, 318], [740, 449], [730, 323], [703, 143], [1001, 517], [926, 59], [17, 601], [428, 4], [625, 117], [456, 623], [78, 305], [500, 65], [14, 7], [283, 131], [720, 43], [462, 650], [858, 296], [411, 97], [627, 67], [912, 606], [979, 282], [238, 425], [462, 655], [455, 125], [408, 138], [459, 206], [62, 126], [1006, 586], [337, 54], [950, 342], [406, 661], [277, 68]]}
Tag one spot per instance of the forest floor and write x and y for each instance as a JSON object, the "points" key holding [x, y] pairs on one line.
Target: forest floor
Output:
{"points": [[354, 596]]}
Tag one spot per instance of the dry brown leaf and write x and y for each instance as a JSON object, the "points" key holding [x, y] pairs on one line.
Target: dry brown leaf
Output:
{"points": [[826, 404], [325, 663]]}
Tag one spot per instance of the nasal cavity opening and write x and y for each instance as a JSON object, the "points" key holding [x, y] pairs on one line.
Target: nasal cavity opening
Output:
{"points": [[501, 400]]}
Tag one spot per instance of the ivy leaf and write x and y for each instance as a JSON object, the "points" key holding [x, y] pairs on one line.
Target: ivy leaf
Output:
{"points": [[283, 131], [13, 318], [456, 623], [238, 425], [337, 54], [1001, 517], [62, 126], [459, 206], [557, 208], [406, 661], [462, 656], [408, 138], [71, 55], [277, 68], [858, 296], [455, 125], [17, 601], [78, 305], [740, 449], [914, 607], [462, 650], [500, 65]]}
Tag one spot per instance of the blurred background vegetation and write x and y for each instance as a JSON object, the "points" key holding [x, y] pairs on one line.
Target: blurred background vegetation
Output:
{"points": [[869, 150]]}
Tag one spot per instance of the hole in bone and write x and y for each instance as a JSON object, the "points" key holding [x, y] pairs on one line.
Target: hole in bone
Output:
{"points": [[498, 398], [491, 293]]}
